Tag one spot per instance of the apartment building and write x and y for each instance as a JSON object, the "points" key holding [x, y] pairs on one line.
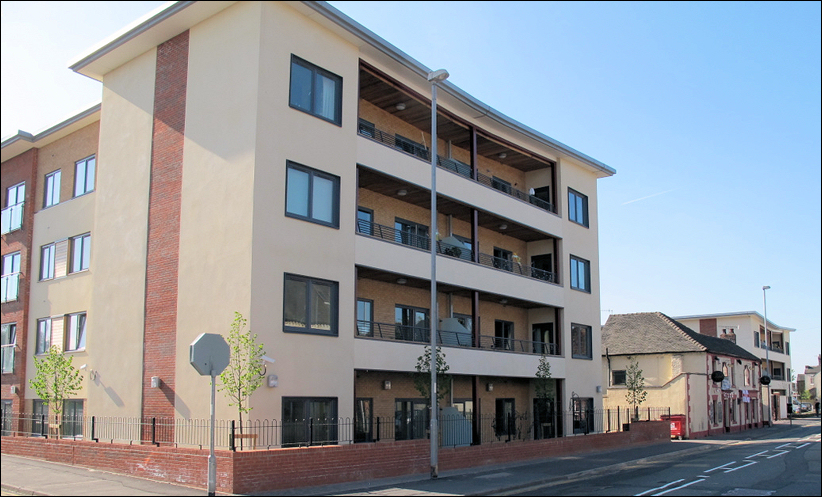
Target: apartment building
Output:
{"points": [[747, 329], [274, 159]]}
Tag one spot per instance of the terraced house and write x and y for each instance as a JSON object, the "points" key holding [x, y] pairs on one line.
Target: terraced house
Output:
{"points": [[274, 158]]}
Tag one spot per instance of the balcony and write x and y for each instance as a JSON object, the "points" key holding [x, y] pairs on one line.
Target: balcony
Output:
{"points": [[462, 252], [11, 218], [422, 335], [9, 287], [420, 151]]}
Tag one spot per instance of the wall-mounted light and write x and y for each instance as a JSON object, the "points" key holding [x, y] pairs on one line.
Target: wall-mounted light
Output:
{"points": [[489, 387], [403, 192], [273, 381], [503, 226], [400, 106], [386, 385], [92, 374], [502, 155], [503, 301], [599, 389], [155, 382], [402, 281]]}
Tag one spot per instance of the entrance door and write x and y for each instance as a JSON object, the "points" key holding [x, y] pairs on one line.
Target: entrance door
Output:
{"points": [[726, 415]]}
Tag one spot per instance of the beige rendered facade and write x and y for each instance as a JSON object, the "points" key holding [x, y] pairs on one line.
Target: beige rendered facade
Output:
{"points": [[273, 159]]}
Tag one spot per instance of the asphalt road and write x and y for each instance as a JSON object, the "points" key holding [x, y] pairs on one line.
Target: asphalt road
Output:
{"points": [[785, 465]]}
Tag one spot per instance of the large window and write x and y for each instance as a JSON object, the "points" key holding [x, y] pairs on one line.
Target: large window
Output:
{"points": [[47, 253], [10, 278], [12, 215], [312, 195], [73, 418], [43, 336], [84, 176], [580, 274], [619, 377], [315, 91], [503, 334], [8, 340], [310, 305], [583, 414], [412, 323], [545, 340], [80, 252], [411, 233], [76, 333], [309, 421], [365, 317], [581, 342], [52, 190], [578, 207], [505, 418], [410, 419]]}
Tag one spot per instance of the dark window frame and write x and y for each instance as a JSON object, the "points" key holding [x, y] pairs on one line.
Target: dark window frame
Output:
{"points": [[580, 218], [619, 377], [335, 303], [88, 164], [316, 70], [329, 424], [575, 353], [575, 262], [335, 201], [365, 327]]}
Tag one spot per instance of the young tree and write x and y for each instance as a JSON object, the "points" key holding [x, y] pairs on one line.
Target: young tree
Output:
{"points": [[244, 373], [55, 379], [422, 379], [636, 386], [544, 387]]}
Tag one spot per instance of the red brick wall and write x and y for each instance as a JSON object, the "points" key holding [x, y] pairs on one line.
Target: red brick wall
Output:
{"points": [[164, 226], [266, 470], [22, 168], [708, 327]]}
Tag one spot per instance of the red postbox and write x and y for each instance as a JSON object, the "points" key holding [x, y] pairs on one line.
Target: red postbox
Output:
{"points": [[677, 425]]}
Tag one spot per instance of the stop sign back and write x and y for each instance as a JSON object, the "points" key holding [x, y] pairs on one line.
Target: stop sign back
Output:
{"points": [[209, 354]]}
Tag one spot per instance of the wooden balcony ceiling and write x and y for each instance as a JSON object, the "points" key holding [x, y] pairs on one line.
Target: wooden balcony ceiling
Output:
{"points": [[389, 186], [386, 94], [423, 284]]}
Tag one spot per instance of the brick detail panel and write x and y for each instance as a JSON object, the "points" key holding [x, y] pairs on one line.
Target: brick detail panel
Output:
{"points": [[708, 327], [162, 260]]}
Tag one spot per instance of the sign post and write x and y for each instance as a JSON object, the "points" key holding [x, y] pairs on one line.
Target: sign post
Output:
{"points": [[209, 355]]}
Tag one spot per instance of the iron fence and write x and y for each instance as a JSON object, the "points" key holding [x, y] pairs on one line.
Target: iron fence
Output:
{"points": [[456, 429]]}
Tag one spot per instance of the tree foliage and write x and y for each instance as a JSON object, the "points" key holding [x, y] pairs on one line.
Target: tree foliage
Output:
{"points": [[244, 373], [635, 383], [544, 386], [55, 379], [422, 379]]}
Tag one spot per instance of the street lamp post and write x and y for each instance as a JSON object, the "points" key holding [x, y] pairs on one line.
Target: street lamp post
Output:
{"points": [[767, 357], [434, 78]]}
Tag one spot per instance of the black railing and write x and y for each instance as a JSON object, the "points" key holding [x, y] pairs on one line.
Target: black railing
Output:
{"points": [[460, 252], [421, 151], [455, 429]]}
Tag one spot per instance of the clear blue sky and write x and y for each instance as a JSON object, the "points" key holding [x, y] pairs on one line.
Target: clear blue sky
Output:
{"points": [[709, 112]]}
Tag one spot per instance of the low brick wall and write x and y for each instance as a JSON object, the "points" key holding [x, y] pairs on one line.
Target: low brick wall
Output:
{"points": [[262, 470]]}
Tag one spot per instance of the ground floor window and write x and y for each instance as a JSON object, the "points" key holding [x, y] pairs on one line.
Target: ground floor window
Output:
{"points": [[309, 421], [505, 419], [410, 419], [583, 415], [39, 418], [6, 417], [363, 420], [72, 425]]}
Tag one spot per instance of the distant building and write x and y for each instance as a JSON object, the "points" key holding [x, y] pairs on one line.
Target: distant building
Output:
{"points": [[677, 364]]}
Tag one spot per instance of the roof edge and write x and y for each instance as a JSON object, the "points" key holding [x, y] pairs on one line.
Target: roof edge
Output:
{"points": [[771, 324]]}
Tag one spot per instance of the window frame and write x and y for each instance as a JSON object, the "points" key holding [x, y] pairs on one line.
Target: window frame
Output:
{"points": [[42, 347], [315, 71], [75, 338], [335, 301], [365, 226], [11, 336], [619, 373], [580, 218], [575, 327], [576, 264], [51, 188], [365, 327], [332, 424], [12, 276], [48, 262], [88, 164], [85, 253], [335, 200]]}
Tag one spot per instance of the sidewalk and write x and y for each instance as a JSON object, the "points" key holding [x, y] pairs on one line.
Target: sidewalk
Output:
{"points": [[27, 476]]}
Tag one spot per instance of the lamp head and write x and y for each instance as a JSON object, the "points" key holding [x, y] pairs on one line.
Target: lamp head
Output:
{"points": [[268, 359], [766, 288], [438, 76]]}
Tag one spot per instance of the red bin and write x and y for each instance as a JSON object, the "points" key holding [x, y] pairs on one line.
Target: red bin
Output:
{"points": [[677, 425]]}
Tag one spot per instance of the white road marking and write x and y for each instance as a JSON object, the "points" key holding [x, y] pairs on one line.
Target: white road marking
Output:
{"points": [[677, 488], [740, 467], [659, 488], [719, 467], [777, 455], [757, 454], [803, 445]]}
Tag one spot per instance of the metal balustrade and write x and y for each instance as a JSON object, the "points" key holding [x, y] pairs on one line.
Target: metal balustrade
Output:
{"points": [[422, 152], [460, 252]]}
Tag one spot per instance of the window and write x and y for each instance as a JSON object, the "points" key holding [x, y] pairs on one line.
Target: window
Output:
{"points": [[503, 259], [312, 195], [47, 253], [580, 274], [412, 323], [52, 189], [505, 418], [747, 376], [5, 406], [363, 420], [76, 333], [542, 197], [411, 233], [8, 340], [310, 305], [39, 418], [43, 336], [581, 341], [12, 215], [365, 221], [544, 339], [619, 377], [73, 418], [410, 419], [583, 415], [503, 334], [315, 91], [10, 279], [542, 267], [309, 421], [80, 252], [84, 176], [367, 128], [365, 317], [578, 207]]}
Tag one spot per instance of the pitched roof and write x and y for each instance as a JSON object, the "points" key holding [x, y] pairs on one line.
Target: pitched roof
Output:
{"points": [[656, 333]]}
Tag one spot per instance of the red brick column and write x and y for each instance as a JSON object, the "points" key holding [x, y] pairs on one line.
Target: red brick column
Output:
{"points": [[162, 259]]}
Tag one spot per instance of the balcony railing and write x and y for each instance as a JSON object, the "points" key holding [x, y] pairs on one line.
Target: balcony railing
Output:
{"points": [[9, 287], [422, 152], [8, 358], [459, 252], [11, 218], [422, 335]]}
